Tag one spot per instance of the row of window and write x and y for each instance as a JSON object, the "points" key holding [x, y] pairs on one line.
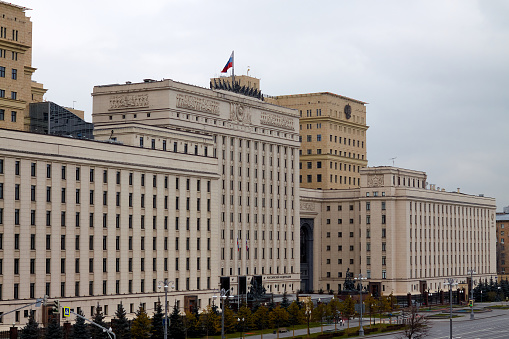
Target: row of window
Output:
{"points": [[77, 265], [309, 165], [342, 179], [3, 33], [63, 220], [78, 240], [336, 152], [263, 271], [175, 146], [14, 73], [33, 173], [449, 209], [3, 54], [248, 159], [351, 142], [63, 197], [14, 114], [255, 143], [91, 284], [309, 112], [248, 218]]}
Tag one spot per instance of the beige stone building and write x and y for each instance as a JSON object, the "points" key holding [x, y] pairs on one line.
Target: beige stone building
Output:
{"points": [[406, 236], [17, 90], [91, 221], [256, 145], [333, 134]]}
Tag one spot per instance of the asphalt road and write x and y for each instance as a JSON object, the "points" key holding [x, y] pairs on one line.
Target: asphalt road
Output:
{"points": [[489, 325]]}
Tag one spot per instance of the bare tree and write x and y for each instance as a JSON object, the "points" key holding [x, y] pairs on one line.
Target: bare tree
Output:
{"points": [[417, 326]]}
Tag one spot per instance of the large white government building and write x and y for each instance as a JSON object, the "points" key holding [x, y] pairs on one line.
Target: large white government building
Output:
{"points": [[404, 235], [183, 183]]}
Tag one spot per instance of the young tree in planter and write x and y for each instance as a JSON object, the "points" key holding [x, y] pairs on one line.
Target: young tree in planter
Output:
{"points": [[157, 323], [370, 306], [53, 330], [230, 320], [191, 324], [277, 318], [393, 305], [334, 307], [295, 315], [348, 308], [120, 325], [31, 330], [261, 318], [417, 326], [140, 328], [319, 313], [210, 321], [382, 305], [80, 329]]}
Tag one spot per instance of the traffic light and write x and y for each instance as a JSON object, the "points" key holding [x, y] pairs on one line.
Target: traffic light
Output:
{"points": [[471, 303], [56, 306]]}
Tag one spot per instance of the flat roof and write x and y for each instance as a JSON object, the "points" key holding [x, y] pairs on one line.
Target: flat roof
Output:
{"points": [[17, 6], [319, 93]]}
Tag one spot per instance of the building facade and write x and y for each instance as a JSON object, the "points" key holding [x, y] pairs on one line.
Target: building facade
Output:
{"points": [[502, 240], [17, 90], [256, 145], [403, 235], [50, 118], [90, 222], [333, 138]]}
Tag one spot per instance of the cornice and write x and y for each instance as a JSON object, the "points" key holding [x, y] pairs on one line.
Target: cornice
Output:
{"points": [[15, 46]]}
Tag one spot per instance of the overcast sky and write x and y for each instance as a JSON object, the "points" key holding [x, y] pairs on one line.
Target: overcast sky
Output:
{"points": [[435, 73]]}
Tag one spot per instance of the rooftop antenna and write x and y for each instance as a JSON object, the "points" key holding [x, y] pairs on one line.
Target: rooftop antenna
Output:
{"points": [[393, 160]]}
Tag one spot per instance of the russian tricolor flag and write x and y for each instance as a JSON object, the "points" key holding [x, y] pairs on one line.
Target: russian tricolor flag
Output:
{"points": [[228, 65]]}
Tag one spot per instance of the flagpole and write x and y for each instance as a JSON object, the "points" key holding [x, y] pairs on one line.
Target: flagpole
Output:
{"points": [[233, 69]]}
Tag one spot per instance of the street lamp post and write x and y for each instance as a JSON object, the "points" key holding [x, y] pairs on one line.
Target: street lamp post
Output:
{"points": [[450, 282], [430, 295], [166, 285], [471, 272], [360, 278], [223, 294], [308, 315], [481, 296], [242, 328]]}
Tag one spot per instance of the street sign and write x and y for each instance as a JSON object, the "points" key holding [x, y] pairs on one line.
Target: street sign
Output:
{"points": [[67, 311]]}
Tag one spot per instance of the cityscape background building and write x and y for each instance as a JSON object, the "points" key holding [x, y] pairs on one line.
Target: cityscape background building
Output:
{"points": [[333, 139], [17, 89]]}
